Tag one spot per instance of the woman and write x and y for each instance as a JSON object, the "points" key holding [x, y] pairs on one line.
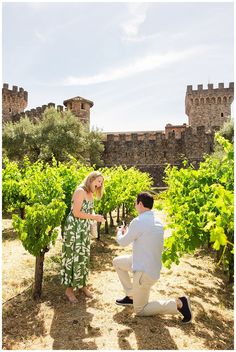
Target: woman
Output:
{"points": [[76, 242]]}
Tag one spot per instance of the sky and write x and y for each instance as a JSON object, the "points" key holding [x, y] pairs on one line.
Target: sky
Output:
{"points": [[133, 60]]}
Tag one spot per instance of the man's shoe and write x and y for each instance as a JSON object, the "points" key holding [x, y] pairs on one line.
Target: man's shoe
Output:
{"points": [[124, 301], [185, 310]]}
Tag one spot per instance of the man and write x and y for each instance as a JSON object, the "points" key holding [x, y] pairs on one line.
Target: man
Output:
{"points": [[147, 235]]}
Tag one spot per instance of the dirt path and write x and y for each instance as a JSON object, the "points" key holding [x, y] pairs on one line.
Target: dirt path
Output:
{"points": [[99, 324]]}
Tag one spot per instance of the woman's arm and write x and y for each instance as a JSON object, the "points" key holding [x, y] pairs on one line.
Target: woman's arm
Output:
{"points": [[78, 199]]}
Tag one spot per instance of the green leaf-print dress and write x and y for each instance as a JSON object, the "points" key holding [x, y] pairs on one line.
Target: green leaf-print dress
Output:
{"points": [[76, 249]]}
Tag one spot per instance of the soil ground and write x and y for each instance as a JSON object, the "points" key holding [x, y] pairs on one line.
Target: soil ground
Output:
{"points": [[98, 324]]}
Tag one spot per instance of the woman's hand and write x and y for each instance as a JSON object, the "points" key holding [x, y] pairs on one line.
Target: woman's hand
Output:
{"points": [[98, 218]]}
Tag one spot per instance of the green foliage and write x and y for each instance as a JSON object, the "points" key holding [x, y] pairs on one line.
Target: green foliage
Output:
{"points": [[200, 208], [227, 131], [95, 148], [20, 139], [57, 135], [44, 192], [60, 135], [121, 187], [40, 187], [38, 230]]}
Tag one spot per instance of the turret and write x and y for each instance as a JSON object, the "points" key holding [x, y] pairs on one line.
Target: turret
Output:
{"points": [[209, 107], [80, 107], [14, 102]]}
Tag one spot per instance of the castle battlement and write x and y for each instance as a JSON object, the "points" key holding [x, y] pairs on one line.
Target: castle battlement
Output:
{"points": [[37, 112], [14, 101], [209, 89], [133, 136], [6, 92]]}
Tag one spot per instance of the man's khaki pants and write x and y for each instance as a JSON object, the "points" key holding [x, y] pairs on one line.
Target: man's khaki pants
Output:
{"points": [[140, 289]]}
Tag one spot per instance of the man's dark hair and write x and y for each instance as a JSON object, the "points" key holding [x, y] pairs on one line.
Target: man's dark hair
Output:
{"points": [[146, 198]]}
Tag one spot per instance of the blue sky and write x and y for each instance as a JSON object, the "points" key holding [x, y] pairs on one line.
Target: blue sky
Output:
{"points": [[133, 60]]}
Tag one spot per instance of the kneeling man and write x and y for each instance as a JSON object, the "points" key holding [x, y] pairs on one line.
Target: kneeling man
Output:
{"points": [[146, 233]]}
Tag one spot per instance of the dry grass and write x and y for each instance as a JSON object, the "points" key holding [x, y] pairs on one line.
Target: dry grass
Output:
{"points": [[98, 324]]}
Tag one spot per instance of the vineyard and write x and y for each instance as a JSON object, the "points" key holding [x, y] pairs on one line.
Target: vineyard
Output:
{"points": [[198, 205]]}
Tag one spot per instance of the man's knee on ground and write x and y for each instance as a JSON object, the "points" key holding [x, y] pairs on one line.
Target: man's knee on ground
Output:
{"points": [[138, 310], [115, 262]]}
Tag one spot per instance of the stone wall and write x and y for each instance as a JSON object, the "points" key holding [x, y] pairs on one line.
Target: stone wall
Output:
{"points": [[151, 151]]}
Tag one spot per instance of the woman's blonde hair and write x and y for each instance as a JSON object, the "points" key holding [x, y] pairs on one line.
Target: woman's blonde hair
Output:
{"points": [[86, 183]]}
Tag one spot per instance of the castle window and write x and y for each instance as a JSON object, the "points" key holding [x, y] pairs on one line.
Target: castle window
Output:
{"points": [[202, 100], [213, 100], [164, 154], [225, 100], [82, 106], [145, 154], [219, 100], [222, 115], [208, 100], [196, 101]]}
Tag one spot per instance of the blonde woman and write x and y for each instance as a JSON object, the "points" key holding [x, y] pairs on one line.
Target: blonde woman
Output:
{"points": [[76, 241]]}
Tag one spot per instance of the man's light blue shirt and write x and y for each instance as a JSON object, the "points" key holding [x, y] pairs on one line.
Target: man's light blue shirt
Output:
{"points": [[146, 232]]}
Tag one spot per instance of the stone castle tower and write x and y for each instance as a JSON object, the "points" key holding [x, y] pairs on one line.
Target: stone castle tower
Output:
{"points": [[80, 107], [14, 102], [209, 107]]}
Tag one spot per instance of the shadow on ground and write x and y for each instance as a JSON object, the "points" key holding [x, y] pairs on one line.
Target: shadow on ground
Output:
{"points": [[68, 327]]}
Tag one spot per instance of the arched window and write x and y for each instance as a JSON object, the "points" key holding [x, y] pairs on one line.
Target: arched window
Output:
{"points": [[197, 101], [225, 99], [213, 100], [202, 100], [219, 100], [208, 100]]}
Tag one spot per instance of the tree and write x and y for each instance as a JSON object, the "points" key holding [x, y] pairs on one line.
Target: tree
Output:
{"points": [[95, 148], [59, 135], [41, 186], [20, 139], [227, 131]]}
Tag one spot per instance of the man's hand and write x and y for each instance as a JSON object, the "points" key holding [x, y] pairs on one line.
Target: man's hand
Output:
{"points": [[122, 228]]}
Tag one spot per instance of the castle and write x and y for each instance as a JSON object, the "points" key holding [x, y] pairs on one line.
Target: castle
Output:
{"points": [[207, 110]]}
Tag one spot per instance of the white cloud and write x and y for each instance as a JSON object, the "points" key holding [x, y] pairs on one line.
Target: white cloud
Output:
{"points": [[137, 16], [40, 36], [142, 64]]}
